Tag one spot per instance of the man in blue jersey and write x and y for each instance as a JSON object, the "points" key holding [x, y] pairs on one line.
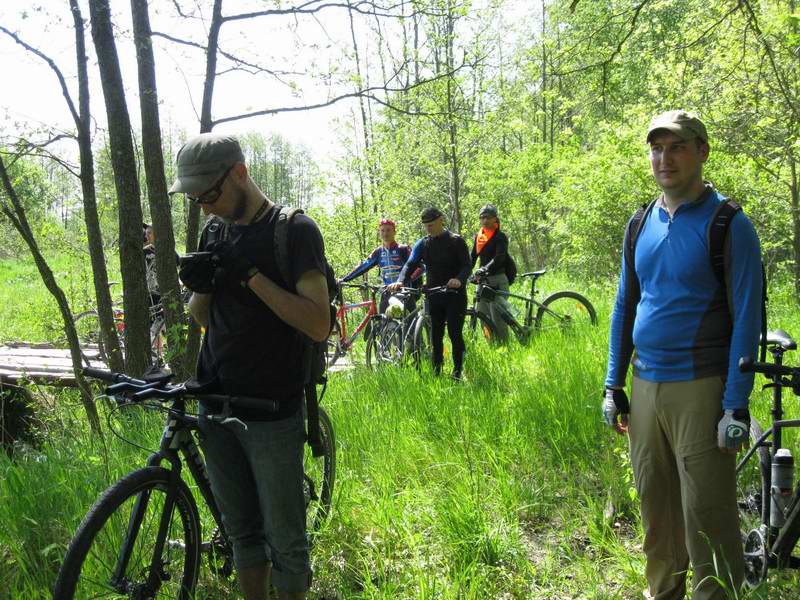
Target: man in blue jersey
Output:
{"points": [[684, 332], [389, 257]]}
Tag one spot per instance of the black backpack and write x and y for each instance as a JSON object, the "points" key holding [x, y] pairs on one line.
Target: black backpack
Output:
{"points": [[715, 235], [314, 359], [511, 269]]}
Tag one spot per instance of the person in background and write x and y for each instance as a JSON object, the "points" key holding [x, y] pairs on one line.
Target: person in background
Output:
{"points": [[491, 247], [389, 257], [446, 259]]}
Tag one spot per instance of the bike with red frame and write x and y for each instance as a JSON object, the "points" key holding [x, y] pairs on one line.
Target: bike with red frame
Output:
{"points": [[341, 341]]}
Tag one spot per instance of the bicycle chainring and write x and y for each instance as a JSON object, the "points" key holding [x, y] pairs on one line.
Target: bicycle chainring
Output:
{"points": [[756, 558]]}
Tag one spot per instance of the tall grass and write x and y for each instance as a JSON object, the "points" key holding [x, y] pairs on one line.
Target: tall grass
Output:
{"points": [[506, 485]]}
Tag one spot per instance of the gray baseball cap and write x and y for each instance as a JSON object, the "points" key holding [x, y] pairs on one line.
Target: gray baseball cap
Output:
{"points": [[685, 125], [203, 160]]}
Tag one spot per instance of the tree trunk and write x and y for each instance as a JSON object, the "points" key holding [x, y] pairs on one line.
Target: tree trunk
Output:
{"points": [[166, 265], [126, 183], [206, 124], [795, 203], [105, 312], [452, 154], [16, 214]]}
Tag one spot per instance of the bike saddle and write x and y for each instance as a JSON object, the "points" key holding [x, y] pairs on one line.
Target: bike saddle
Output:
{"points": [[780, 338], [534, 274]]}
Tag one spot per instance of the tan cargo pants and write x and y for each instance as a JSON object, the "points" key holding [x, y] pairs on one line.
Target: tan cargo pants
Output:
{"points": [[687, 488]]}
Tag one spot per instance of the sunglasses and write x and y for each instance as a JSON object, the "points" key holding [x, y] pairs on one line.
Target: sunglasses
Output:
{"points": [[211, 195]]}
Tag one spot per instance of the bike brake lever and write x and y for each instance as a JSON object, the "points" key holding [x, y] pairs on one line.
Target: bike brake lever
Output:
{"points": [[233, 420]]}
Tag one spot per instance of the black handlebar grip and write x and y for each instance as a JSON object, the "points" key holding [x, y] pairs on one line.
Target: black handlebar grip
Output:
{"points": [[748, 365]]}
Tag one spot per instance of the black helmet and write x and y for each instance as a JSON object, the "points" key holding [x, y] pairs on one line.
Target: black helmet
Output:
{"points": [[489, 210]]}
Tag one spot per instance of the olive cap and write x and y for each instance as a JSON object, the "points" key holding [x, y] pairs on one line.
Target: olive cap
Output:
{"points": [[203, 160]]}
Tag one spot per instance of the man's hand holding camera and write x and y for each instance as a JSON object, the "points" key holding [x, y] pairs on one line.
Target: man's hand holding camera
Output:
{"points": [[197, 272], [231, 263]]}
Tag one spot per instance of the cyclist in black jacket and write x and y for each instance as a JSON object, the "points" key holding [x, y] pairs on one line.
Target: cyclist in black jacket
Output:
{"points": [[491, 247], [446, 259]]}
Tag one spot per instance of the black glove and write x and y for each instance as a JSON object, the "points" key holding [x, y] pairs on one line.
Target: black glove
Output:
{"points": [[232, 262], [615, 405], [198, 275]]}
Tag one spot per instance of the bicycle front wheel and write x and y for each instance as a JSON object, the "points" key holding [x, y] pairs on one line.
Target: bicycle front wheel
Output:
{"points": [[421, 349], [481, 332], [385, 344], [565, 310], [319, 474], [113, 553]]}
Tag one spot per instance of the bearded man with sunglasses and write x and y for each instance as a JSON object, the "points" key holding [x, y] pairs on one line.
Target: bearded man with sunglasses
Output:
{"points": [[253, 347]]}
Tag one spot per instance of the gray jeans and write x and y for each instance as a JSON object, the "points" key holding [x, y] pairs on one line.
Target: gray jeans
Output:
{"points": [[492, 309], [257, 479]]}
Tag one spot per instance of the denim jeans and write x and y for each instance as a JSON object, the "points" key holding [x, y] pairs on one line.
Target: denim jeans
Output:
{"points": [[257, 480]]}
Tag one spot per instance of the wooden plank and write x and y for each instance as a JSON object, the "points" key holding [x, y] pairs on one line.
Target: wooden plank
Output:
{"points": [[42, 363]]}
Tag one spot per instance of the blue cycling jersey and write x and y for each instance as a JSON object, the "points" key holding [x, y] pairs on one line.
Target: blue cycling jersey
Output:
{"points": [[390, 261], [671, 319]]}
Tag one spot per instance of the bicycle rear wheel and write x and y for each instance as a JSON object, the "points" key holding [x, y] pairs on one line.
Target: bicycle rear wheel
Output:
{"points": [[385, 344], [128, 515], [565, 311], [319, 474], [753, 480]]}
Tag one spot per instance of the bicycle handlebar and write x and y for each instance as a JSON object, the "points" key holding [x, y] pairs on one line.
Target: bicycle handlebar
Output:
{"points": [[161, 390]]}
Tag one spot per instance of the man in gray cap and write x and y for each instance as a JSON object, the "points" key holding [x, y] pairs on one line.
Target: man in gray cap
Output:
{"points": [[684, 321], [252, 347], [490, 246]]}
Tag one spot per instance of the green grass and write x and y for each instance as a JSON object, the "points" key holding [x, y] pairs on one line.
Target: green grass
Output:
{"points": [[493, 488]]}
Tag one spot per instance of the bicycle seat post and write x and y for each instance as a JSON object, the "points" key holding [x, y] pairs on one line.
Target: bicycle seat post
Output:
{"points": [[777, 397]]}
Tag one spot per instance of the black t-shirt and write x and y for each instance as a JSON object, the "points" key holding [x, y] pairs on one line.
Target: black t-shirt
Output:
{"points": [[247, 349]]}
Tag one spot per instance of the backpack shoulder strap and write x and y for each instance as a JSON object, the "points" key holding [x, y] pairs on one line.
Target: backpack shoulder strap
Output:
{"points": [[281, 242], [717, 232], [634, 229]]}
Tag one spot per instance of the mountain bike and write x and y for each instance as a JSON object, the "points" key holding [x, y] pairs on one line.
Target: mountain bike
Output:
{"points": [[142, 538], [769, 509], [562, 310], [340, 342]]}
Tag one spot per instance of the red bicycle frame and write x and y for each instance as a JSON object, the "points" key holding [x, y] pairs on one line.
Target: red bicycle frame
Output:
{"points": [[345, 342]]}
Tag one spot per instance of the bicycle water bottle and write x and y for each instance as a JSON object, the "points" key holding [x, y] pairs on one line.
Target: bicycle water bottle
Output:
{"points": [[782, 484]]}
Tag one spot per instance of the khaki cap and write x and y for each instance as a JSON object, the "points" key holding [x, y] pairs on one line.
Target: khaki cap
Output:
{"points": [[202, 161], [686, 126]]}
